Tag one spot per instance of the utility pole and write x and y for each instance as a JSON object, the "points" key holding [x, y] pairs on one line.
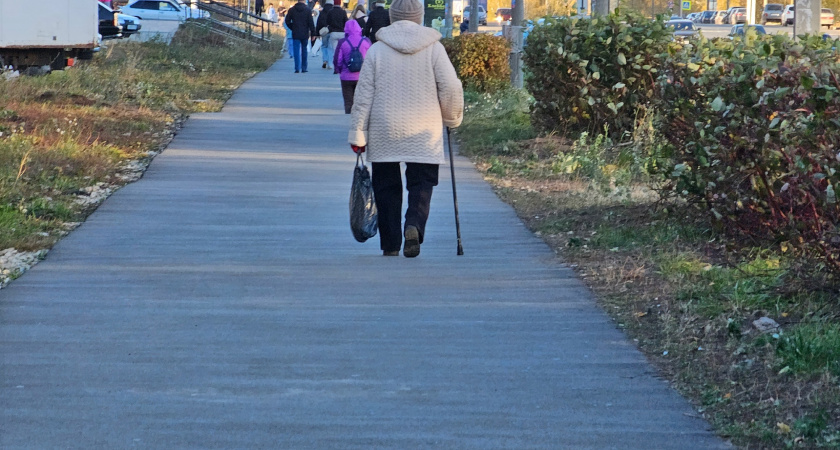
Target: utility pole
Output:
{"points": [[447, 20], [473, 16], [517, 18]]}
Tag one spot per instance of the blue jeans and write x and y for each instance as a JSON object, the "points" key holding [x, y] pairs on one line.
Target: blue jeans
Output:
{"points": [[301, 61], [326, 51]]}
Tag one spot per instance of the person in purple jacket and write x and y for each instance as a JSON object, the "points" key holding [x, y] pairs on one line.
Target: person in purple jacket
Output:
{"points": [[341, 60]]}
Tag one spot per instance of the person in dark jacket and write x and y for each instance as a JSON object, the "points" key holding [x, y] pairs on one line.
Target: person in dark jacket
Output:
{"points": [[259, 6], [465, 26], [336, 19], [326, 54], [378, 18], [359, 14], [299, 20]]}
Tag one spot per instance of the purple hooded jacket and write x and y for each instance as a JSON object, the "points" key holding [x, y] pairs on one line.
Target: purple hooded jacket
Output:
{"points": [[353, 36]]}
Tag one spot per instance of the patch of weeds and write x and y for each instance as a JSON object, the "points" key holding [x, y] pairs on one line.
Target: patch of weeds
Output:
{"points": [[811, 348], [628, 236], [22, 231], [813, 425], [494, 121], [47, 208], [711, 290]]}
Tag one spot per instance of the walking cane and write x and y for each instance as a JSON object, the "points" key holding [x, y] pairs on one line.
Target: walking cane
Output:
{"points": [[454, 193]]}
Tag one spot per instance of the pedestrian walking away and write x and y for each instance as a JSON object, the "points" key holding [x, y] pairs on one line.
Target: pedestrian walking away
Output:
{"points": [[324, 32], [259, 7], [377, 19], [348, 61], [289, 42], [336, 18], [359, 15], [407, 92], [299, 20]]}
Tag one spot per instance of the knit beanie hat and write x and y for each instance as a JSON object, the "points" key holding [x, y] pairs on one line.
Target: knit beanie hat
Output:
{"points": [[411, 10]]}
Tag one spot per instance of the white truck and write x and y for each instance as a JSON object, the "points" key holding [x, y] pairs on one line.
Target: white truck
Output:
{"points": [[52, 33]]}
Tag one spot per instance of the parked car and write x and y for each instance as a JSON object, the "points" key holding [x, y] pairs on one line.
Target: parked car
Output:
{"points": [[827, 18], [741, 30], [162, 10], [738, 15], [129, 24], [683, 28], [787, 16], [109, 26], [706, 16], [693, 17], [503, 14], [773, 12], [482, 15], [720, 17]]}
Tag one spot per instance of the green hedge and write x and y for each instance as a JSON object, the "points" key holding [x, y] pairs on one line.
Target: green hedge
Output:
{"points": [[481, 60], [748, 129], [754, 128], [586, 74]]}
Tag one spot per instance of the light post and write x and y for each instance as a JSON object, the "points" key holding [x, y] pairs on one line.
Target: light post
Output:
{"points": [[517, 17]]}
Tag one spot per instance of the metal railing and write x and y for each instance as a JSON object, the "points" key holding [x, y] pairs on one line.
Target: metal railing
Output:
{"points": [[239, 21]]}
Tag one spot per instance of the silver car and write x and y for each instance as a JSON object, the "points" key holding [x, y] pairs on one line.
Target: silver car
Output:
{"points": [[773, 12]]}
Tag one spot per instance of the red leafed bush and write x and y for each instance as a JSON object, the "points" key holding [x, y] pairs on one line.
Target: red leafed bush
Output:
{"points": [[754, 127]]}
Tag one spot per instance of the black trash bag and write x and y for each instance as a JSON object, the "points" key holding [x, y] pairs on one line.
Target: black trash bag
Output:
{"points": [[363, 215]]}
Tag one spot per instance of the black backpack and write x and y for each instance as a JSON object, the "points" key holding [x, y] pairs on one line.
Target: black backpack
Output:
{"points": [[355, 59]]}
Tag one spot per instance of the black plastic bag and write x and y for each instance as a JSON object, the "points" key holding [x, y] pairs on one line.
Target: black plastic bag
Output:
{"points": [[363, 215]]}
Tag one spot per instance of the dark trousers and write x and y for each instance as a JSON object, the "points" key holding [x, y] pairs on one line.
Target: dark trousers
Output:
{"points": [[348, 91], [299, 52], [388, 192]]}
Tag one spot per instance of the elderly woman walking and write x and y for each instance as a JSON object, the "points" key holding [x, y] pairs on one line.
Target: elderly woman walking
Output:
{"points": [[407, 92]]}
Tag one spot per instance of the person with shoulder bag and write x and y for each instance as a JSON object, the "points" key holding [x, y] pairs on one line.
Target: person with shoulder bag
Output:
{"points": [[348, 61], [324, 32], [336, 19], [407, 93]]}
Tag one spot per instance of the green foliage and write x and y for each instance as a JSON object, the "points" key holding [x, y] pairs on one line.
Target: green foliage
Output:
{"points": [[753, 126], [610, 168], [481, 60], [712, 290], [493, 120], [811, 348], [585, 74]]}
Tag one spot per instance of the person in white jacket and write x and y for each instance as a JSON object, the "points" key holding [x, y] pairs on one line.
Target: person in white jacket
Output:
{"points": [[408, 92]]}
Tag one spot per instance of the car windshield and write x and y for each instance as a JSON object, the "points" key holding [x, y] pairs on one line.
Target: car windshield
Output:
{"points": [[773, 7], [826, 11]]}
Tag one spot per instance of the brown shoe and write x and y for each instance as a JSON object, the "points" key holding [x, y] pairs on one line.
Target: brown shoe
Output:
{"points": [[412, 242]]}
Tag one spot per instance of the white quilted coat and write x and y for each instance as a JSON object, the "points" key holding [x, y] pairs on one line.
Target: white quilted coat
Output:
{"points": [[407, 92]]}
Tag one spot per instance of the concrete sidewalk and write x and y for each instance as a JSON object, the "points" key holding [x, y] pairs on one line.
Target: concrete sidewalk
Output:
{"points": [[221, 302]]}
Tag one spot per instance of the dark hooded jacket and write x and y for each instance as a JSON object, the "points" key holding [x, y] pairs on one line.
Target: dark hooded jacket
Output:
{"points": [[378, 18], [322, 16], [336, 19], [299, 20]]}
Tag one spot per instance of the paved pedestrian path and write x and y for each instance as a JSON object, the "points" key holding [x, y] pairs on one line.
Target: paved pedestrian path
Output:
{"points": [[221, 302]]}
